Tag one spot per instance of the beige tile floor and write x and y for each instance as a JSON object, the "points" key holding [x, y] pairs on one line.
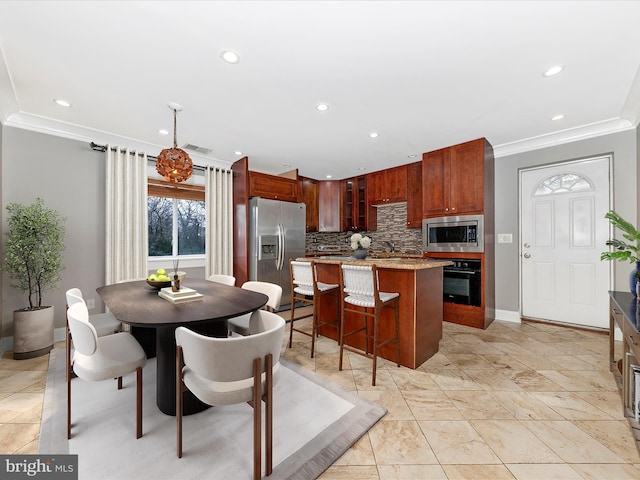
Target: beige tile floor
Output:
{"points": [[516, 401]]}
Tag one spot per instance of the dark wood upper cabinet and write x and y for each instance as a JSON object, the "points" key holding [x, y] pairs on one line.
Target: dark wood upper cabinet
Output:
{"points": [[467, 177], [329, 203], [387, 186], [354, 204], [414, 195], [273, 186], [454, 179], [309, 194]]}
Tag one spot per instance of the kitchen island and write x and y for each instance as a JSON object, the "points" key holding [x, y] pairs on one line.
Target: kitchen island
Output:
{"points": [[419, 282]]}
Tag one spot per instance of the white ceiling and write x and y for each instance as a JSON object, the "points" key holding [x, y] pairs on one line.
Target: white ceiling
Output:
{"points": [[424, 74]]}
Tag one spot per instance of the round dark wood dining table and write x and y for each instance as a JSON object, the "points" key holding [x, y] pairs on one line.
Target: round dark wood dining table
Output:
{"points": [[138, 304]]}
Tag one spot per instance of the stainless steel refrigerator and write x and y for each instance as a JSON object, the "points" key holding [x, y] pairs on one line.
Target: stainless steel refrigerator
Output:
{"points": [[276, 234]]}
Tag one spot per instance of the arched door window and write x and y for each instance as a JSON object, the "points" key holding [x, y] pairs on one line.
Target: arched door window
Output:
{"points": [[563, 183]]}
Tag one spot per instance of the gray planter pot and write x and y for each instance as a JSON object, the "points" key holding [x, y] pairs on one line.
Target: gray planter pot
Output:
{"points": [[32, 332]]}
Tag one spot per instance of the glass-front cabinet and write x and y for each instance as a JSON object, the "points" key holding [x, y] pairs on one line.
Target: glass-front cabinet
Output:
{"points": [[354, 202]]}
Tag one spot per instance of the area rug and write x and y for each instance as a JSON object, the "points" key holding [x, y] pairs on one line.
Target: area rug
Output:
{"points": [[315, 422]]}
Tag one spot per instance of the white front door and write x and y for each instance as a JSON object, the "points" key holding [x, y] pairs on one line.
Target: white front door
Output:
{"points": [[563, 231]]}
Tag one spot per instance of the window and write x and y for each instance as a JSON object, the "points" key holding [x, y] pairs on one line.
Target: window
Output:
{"points": [[176, 219], [563, 183]]}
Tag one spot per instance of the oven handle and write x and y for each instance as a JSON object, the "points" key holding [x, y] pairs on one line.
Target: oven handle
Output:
{"points": [[467, 272]]}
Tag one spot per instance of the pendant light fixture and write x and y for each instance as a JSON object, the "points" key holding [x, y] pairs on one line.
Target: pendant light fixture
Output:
{"points": [[174, 163]]}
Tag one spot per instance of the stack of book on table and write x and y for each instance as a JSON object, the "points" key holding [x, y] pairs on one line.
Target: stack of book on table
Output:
{"points": [[185, 294]]}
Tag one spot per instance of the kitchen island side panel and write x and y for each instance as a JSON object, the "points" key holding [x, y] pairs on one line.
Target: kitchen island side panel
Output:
{"points": [[429, 314]]}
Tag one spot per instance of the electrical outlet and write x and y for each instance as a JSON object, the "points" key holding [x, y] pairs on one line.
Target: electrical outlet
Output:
{"points": [[91, 303], [505, 238]]}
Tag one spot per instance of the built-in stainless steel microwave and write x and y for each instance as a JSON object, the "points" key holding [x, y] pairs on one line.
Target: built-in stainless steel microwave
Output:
{"points": [[463, 233]]}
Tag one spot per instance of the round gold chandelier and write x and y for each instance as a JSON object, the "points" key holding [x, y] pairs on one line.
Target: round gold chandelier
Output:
{"points": [[174, 163]]}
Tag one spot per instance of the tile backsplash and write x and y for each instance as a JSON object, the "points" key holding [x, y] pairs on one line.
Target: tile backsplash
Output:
{"points": [[392, 227]]}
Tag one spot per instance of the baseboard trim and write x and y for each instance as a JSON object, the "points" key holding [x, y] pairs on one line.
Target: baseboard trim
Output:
{"points": [[508, 316]]}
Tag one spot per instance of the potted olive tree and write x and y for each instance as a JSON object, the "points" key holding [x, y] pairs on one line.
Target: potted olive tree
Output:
{"points": [[627, 250], [33, 260]]}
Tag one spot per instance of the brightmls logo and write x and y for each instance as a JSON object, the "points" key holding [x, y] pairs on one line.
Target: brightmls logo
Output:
{"points": [[50, 467]]}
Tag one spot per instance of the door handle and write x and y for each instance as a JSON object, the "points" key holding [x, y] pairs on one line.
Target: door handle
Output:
{"points": [[280, 248], [526, 245], [526, 255]]}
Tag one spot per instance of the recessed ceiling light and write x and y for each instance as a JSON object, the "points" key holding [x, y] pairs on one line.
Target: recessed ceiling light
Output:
{"points": [[374, 135], [413, 155], [238, 152], [322, 107], [328, 176], [553, 71], [557, 117], [287, 165], [230, 56], [162, 131], [362, 168], [62, 103]]}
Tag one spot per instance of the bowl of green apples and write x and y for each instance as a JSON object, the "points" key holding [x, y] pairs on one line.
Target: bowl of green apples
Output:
{"points": [[159, 280]]}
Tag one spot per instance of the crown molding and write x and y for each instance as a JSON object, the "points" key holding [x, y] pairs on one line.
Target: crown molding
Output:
{"points": [[35, 123], [562, 137], [85, 134]]}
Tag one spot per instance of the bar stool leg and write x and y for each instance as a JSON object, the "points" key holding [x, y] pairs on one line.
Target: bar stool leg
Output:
{"points": [[314, 326], [376, 329], [398, 333], [341, 335], [293, 310]]}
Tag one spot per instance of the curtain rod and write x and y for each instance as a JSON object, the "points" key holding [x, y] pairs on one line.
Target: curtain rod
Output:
{"points": [[151, 158]]}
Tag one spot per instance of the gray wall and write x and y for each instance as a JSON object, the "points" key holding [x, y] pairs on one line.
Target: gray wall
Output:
{"points": [[69, 176], [622, 145]]}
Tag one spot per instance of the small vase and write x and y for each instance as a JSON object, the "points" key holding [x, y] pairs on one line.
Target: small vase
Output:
{"points": [[633, 280], [360, 253]]}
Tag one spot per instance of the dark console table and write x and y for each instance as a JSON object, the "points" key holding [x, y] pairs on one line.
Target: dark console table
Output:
{"points": [[624, 314]]}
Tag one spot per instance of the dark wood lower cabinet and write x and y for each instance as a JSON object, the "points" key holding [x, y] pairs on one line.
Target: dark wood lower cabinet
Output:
{"points": [[478, 317], [420, 312]]}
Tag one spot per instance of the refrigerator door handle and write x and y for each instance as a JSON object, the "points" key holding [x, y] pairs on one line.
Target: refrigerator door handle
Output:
{"points": [[280, 247]]}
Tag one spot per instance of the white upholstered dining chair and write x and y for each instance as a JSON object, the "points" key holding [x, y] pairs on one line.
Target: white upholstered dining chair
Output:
{"points": [[101, 358], [243, 324], [227, 371], [221, 278], [104, 323]]}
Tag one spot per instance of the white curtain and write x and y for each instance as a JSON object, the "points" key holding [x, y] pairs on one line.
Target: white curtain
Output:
{"points": [[126, 215], [219, 212]]}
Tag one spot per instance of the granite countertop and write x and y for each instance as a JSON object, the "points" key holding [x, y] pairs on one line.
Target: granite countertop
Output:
{"points": [[399, 263]]}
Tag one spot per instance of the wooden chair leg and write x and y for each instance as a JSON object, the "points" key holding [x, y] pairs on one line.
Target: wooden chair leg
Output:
{"points": [[341, 335], [269, 414], [138, 401], [293, 309], [314, 326], [398, 333], [376, 329], [257, 418], [179, 401]]}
